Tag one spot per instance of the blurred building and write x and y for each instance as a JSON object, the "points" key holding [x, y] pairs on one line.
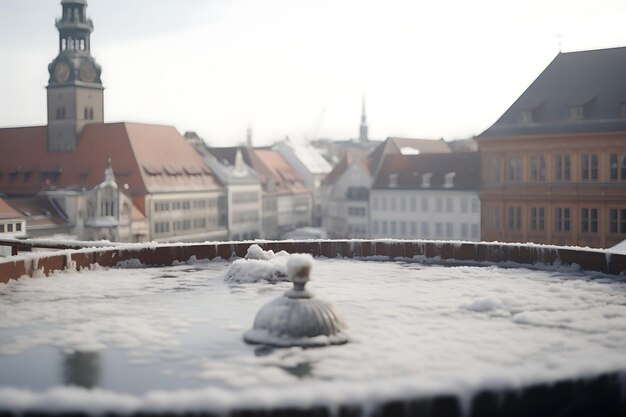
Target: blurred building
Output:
{"points": [[426, 196], [345, 192], [245, 194], [311, 167], [554, 164], [158, 177], [12, 222], [287, 201]]}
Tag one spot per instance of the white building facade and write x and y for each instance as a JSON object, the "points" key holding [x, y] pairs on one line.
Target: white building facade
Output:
{"points": [[431, 196], [425, 214]]}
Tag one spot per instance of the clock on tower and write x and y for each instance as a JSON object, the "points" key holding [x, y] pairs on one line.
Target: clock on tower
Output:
{"points": [[75, 91]]}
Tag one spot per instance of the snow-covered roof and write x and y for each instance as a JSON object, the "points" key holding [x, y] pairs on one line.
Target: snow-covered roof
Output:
{"points": [[309, 156]]}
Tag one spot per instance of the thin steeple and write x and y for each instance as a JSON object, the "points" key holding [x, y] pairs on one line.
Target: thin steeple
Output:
{"points": [[363, 128]]}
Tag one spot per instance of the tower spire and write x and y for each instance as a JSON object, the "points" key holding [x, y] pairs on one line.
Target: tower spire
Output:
{"points": [[363, 127]]}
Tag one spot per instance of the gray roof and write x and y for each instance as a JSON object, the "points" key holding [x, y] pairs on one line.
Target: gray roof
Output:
{"points": [[593, 80], [406, 172]]}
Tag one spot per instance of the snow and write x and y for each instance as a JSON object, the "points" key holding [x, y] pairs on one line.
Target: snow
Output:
{"points": [[259, 265], [171, 338], [408, 150], [620, 247], [297, 261]]}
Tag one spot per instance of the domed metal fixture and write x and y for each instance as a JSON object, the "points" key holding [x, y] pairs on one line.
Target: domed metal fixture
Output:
{"points": [[298, 318]]}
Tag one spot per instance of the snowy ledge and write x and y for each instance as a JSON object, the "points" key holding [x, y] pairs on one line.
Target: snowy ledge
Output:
{"points": [[454, 252]]}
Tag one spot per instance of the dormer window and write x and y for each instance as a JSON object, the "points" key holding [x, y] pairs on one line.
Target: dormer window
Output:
{"points": [[426, 180], [576, 112], [526, 116], [393, 180], [449, 180]]}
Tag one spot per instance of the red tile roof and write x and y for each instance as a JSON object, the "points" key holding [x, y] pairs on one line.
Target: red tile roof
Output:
{"points": [[8, 212], [271, 164], [40, 212], [148, 158], [349, 158]]}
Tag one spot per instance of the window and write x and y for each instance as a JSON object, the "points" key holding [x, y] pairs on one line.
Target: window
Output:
{"points": [[393, 180], [526, 116], [384, 201], [589, 220], [475, 205], [576, 113], [10, 227], [464, 231], [199, 223], [475, 233], [449, 180], [449, 230], [493, 171], [394, 229], [413, 203], [426, 180], [562, 219], [438, 204], [537, 168], [161, 227], [375, 204], [414, 229], [375, 227], [449, 204], [425, 229], [515, 169], [537, 218], [393, 204], [617, 221], [356, 211], [403, 228], [385, 231], [617, 167], [1, 228], [515, 218], [18, 227], [589, 167], [562, 168], [438, 229], [494, 219], [425, 204], [402, 203]]}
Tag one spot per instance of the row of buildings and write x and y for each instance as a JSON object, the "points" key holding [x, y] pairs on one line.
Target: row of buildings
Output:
{"points": [[552, 169]]}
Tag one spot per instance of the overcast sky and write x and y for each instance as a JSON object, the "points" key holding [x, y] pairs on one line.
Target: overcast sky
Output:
{"points": [[428, 69]]}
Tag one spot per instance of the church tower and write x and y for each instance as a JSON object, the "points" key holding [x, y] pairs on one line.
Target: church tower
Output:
{"points": [[363, 127], [75, 92]]}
